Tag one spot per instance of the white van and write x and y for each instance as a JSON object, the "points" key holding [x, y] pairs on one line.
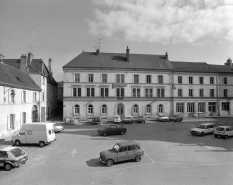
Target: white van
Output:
{"points": [[33, 133]]}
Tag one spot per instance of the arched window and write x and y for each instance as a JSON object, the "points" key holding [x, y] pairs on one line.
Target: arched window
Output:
{"points": [[76, 109], [160, 108], [90, 109], [104, 109], [148, 109], [135, 109]]}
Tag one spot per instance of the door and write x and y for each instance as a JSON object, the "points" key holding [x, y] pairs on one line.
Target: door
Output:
{"points": [[122, 154], [29, 137], [112, 130], [34, 114], [120, 110], [131, 152], [22, 136], [42, 114]]}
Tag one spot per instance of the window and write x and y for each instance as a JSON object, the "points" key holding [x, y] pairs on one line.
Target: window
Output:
{"points": [[191, 107], [77, 92], [24, 96], [148, 78], [76, 109], [201, 92], [135, 109], [120, 78], [3, 154], [90, 109], [201, 80], [136, 92], [34, 96], [24, 118], [201, 106], [191, 80], [120, 92], [180, 79], [148, 92], [224, 80], [43, 98], [191, 92], [211, 80], [225, 92], [12, 121], [43, 80], [104, 109], [104, 78], [148, 109], [160, 79], [160, 108], [180, 92], [179, 107], [136, 78], [104, 92], [123, 149], [76, 77], [211, 92], [226, 106], [160, 92], [12, 96], [212, 106], [90, 92], [90, 77], [49, 95]]}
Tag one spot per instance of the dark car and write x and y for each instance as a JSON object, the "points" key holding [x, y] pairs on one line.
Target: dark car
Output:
{"points": [[176, 118], [95, 121], [140, 119], [127, 120], [112, 130], [121, 152]]}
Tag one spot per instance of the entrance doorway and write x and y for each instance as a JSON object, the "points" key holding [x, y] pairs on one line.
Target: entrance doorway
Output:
{"points": [[120, 110], [34, 113]]}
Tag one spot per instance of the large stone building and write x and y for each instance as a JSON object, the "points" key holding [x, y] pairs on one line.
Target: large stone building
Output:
{"points": [[106, 84]]}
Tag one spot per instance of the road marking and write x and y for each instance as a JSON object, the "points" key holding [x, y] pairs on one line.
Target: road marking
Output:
{"points": [[74, 151], [38, 158]]}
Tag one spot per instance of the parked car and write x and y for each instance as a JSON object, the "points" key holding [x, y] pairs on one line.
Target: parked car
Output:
{"points": [[204, 128], [11, 157], [58, 128], [95, 121], [140, 119], [176, 118], [121, 152], [112, 130], [128, 119], [116, 119], [162, 117], [223, 131]]}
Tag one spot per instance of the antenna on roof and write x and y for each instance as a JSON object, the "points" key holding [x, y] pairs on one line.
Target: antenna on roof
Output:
{"points": [[30, 47], [99, 42]]}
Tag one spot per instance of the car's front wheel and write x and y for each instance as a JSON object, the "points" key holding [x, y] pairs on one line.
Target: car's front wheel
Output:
{"points": [[122, 133], [138, 158], [17, 142], [8, 167], [109, 162]]}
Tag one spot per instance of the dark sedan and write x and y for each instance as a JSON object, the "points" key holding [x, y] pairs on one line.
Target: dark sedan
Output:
{"points": [[112, 130], [176, 118]]}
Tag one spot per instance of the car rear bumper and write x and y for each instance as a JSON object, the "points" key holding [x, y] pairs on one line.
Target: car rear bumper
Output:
{"points": [[22, 161]]}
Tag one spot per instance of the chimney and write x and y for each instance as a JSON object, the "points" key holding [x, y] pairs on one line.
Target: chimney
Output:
{"points": [[50, 67], [30, 57], [229, 62], [97, 51], [1, 58], [23, 63], [166, 56], [127, 54]]}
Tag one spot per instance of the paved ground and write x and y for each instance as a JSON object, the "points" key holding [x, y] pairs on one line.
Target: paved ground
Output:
{"points": [[173, 157]]}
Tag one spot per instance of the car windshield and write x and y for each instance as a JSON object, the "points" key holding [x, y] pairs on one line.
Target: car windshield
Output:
{"points": [[17, 152], [201, 126], [116, 147], [220, 129]]}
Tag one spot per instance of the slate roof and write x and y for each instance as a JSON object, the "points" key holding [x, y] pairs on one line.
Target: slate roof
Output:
{"points": [[13, 77], [195, 67], [223, 68], [118, 61]]}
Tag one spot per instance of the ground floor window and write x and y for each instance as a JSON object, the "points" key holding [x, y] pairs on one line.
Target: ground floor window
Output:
{"points": [[160, 108], [212, 106], [24, 118], [12, 121], [191, 107], [226, 106], [201, 106], [148, 109], [76, 109], [180, 107], [90, 109], [135, 109], [104, 109]]}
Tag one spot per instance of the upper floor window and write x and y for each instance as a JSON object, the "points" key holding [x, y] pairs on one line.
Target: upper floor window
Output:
{"points": [[191, 80], [160, 92], [224, 80], [24, 118], [160, 79], [76, 77], [225, 92], [136, 78], [136, 92], [104, 78], [43, 96], [180, 79], [120, 92], [77, 92], [104, 92], [211, 92], [90, 77], [180, 92], [120, 78], [190, 92], [12, 121], [148, 78], [12, 96], [43, 80], [201, 92], [34, 97], [90, 92], [211, 80], [201, 81], [149, 92], [24, 96]]}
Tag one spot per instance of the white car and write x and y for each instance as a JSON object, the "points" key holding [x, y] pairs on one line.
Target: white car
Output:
{"points": [[116, 119], [162, 117], [58, 128], [223, 131], [12, 157], [204, 128]]}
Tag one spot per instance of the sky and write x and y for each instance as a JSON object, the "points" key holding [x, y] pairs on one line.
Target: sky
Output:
{"points": [[189, 30]]}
